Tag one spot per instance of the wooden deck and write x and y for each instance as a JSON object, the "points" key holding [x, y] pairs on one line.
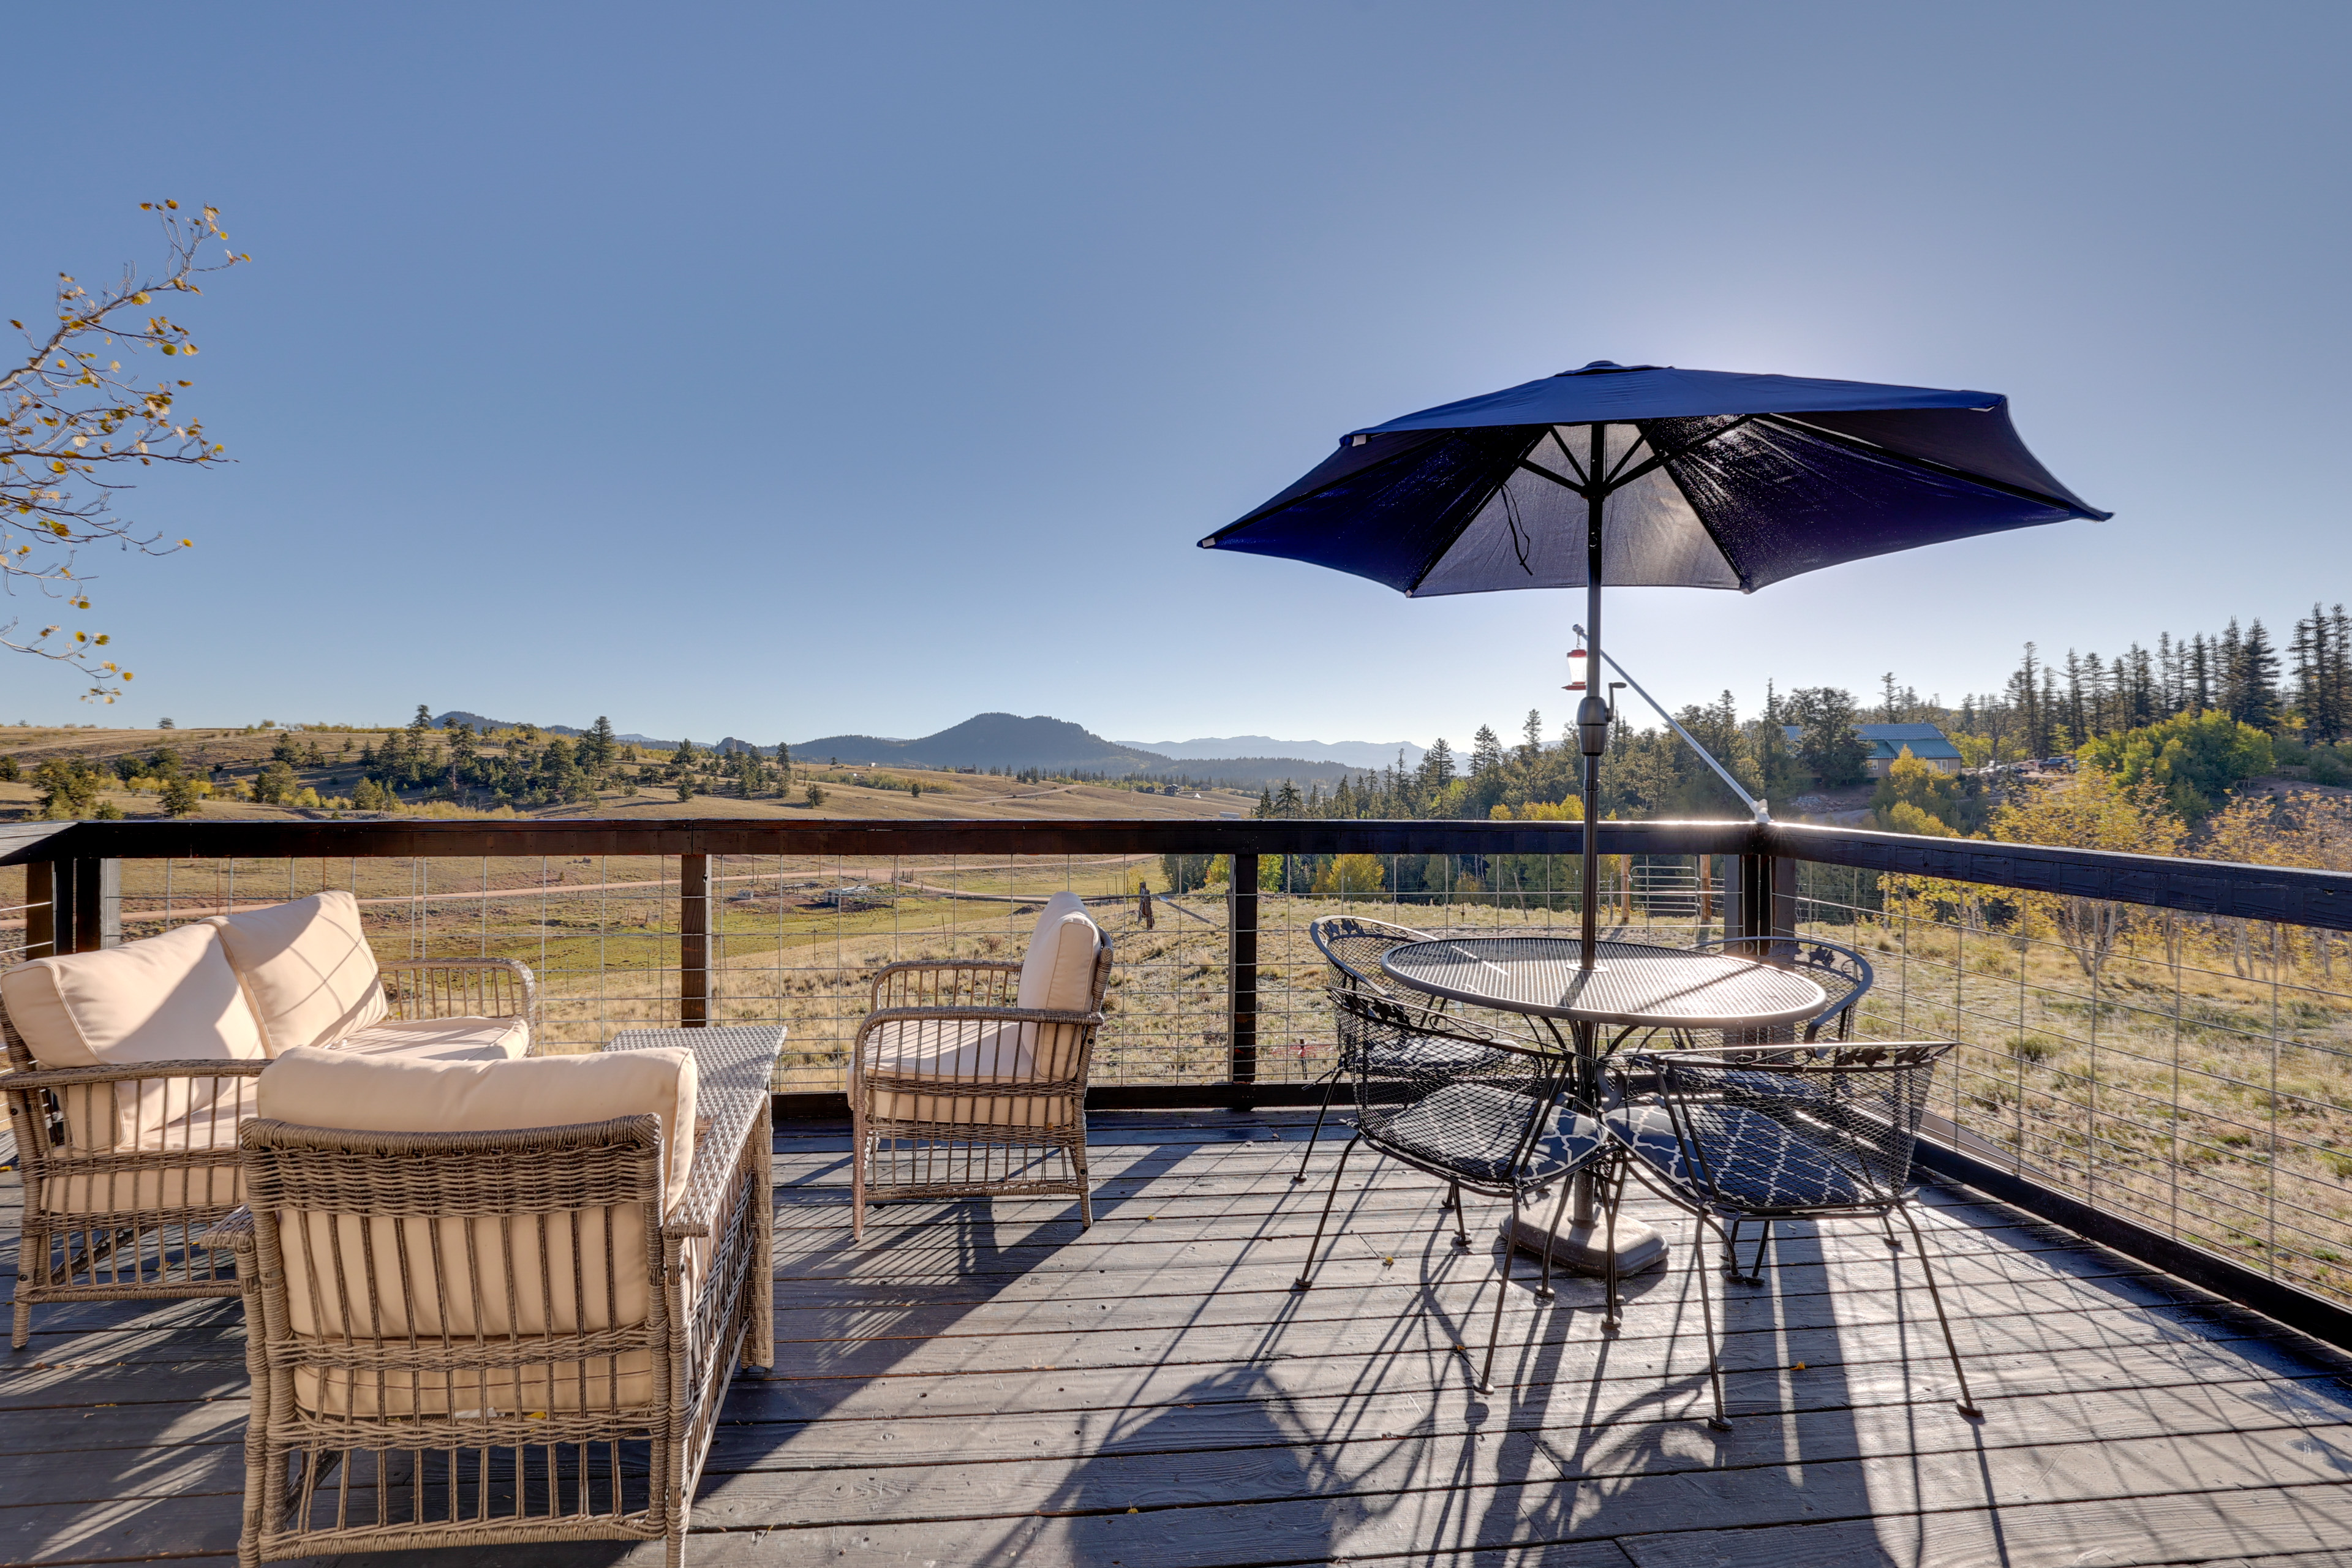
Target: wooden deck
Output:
{"points": [[985, 1384]]}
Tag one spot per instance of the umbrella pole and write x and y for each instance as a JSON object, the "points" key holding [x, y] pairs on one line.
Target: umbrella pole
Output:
{"points": [[1593, 713]]}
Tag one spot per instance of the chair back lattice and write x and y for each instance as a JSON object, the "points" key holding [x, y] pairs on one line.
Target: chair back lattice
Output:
{"points": [[1788, 1129], [1354, 946], [1455, 1103], [1844, 975]]}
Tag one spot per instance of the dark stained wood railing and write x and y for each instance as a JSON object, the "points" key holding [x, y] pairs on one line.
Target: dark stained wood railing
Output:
{"points": [[73, 872]]}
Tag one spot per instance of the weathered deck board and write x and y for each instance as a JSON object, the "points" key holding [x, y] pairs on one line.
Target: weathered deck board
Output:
{"points": [[979, 1382]]}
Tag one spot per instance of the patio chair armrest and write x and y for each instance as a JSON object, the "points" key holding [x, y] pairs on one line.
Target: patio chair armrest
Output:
{"points": [[67, 1077], [232, 1232], [721, 1148], [429, 1001], [972, 1014], [896, 978]]}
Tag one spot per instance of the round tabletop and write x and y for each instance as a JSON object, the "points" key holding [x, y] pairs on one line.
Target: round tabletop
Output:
{"points": [[1634, 983]]}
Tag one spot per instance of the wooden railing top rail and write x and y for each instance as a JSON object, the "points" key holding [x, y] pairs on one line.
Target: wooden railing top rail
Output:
{"points": [[2202, 887]]}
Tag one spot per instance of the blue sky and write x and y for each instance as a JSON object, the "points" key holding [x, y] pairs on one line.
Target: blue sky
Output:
{"points": [[779, 370]]}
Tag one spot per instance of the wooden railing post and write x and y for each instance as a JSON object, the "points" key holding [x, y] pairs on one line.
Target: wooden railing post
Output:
{"points": [[1242, 987], [41, 908], [97, 905], [693, 942], [1766, 908]]}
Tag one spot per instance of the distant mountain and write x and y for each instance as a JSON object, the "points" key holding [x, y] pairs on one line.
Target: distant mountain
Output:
{"points": [[1053, 746], [1355, 753], [992, 740]]}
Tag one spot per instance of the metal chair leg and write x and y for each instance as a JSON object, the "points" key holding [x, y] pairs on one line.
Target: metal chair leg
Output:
{"points": [[1887, 1221], [1614, 1313], [1502, 1293], [1967, 1405], [1706, 1316], [1306, 1275], [1559, 1211], [1330, 1088], [1461, 1228], [1755, 1275]]}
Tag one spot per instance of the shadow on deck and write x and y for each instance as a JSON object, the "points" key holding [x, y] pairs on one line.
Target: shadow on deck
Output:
{"points": [[985, 1384]]}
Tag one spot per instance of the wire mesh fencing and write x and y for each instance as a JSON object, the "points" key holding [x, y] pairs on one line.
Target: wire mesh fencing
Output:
{"points": [[2192, 1073]]}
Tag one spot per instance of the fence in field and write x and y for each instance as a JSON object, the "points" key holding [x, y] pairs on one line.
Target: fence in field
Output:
{"points": [[2161, 1048]]}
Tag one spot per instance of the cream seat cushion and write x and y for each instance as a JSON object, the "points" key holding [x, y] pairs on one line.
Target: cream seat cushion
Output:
{"points": [[909, 1051], [208, 1178], [307, 967], [172, 998], [441, 1039], [460, 1281]]}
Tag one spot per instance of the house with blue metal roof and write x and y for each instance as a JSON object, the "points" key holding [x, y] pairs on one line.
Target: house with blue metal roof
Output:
{"points": [[1888, 741]]}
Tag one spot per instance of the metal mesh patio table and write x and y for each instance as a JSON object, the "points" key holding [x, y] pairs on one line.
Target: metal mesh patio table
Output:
{"points": [[1631, 984]]}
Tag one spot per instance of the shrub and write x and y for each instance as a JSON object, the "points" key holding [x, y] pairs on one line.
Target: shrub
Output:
{"points": [[2195, 759], [815, 794], [180, 796], [69, 787]]}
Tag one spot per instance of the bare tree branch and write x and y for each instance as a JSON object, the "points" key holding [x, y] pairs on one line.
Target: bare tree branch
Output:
{"points": [[72, 424]]}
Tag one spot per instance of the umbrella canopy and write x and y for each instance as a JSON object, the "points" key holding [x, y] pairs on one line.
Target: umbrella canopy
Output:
{"points": [[1707, 480], [1652, 477]]}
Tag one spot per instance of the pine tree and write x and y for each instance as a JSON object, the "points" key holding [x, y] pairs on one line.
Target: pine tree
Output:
{"points": [[2253, 697], [2025, 701], [599, 746], [1437, 767], [1485, 752], [783, 766], [1890, 702], [2199, 681]]}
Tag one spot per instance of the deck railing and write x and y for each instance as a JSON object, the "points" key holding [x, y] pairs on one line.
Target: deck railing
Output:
{"points": [[2150, 1048]]}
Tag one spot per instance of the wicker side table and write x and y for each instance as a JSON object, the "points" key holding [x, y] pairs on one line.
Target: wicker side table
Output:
{"points": [[733, 1068]]}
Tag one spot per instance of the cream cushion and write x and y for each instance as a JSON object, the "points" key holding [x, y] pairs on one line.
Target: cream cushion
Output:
{"points": [[1058, 972], [172, 998], [903, 1054], [441, 1039], [461, 1280], [204, 1132], [392, 1093], [308, 969]]}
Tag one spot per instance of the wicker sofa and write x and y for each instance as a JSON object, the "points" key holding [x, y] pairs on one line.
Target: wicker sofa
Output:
{"points": [[969, 1078], [494, 1301], [132, 1067]]}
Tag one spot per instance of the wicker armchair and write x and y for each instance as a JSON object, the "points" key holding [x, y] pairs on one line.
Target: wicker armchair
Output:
{"points": [[125, 1167], [465, 1339], [955, 1090]]}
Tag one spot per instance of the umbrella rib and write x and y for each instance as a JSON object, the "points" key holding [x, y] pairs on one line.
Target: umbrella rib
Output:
{"points": [[1855, 444], [1660, 459], [1573, 466], [1564, 483]]}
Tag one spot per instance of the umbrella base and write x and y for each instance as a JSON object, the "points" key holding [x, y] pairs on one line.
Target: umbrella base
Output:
{"points": [[1583, 1248]]}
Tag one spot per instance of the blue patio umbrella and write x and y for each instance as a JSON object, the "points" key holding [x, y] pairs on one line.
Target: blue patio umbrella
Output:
{"points": [[1648, 476]]}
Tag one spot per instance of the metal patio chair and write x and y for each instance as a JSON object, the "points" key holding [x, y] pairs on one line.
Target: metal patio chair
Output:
{"points": [[1353, 946], [1779, 1132], [1841, 972], [1482, 1113]]}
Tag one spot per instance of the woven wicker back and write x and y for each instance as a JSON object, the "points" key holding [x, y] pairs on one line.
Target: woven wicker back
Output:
{"points": [[1806, 1126], [493, 1276], [1354, 946]]}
